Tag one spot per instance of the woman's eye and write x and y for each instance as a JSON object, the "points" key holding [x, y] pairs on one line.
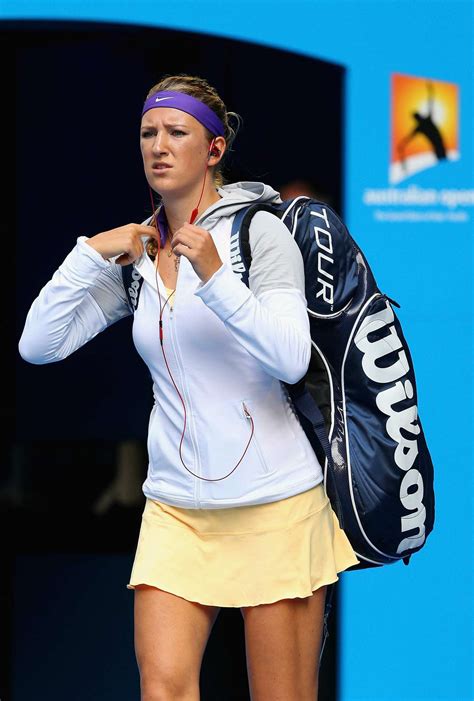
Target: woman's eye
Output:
{"points": [[175, 132]]}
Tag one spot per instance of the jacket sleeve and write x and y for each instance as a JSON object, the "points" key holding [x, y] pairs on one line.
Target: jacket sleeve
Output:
{"points": [[84, 296], [268, 318]]}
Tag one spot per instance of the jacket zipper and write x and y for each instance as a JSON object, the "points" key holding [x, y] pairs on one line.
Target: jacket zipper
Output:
{"points": [[181, 382]]}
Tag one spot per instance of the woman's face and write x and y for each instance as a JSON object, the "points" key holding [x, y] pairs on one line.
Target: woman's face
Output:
{"points": [[174, 149]]}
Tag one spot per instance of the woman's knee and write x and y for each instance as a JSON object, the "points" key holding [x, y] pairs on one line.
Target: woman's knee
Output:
{"points": [[167, 687]]}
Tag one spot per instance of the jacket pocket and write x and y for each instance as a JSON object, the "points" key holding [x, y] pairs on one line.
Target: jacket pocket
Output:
{"points": [[249, 415]]}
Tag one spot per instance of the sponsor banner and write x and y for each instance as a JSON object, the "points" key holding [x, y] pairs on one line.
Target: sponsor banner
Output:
{"points": [[424, 125], [424, 132], [418, 204]]}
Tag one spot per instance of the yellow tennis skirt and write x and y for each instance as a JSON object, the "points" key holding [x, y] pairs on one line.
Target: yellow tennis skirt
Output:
{"points": [[242, 556]]}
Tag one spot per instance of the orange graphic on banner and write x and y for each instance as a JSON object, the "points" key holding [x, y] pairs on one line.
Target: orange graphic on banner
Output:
{"points": [[424, 125]]}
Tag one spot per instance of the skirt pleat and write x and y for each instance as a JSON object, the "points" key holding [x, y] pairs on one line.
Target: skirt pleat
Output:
{"points": [[242, 556]]}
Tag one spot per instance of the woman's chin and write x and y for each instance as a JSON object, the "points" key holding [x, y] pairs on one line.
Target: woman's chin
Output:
{"points": [[156, 187], [162, 187], [169, 191]]}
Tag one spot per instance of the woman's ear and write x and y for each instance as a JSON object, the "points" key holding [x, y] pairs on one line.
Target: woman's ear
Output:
{"points": [[219, 148]]}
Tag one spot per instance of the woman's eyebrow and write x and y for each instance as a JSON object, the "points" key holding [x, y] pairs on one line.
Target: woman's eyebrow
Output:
{"points": [[166, 124]]}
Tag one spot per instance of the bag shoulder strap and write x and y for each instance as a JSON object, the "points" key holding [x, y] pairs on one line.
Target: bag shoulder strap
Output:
{"points": [[132, 283], [308, 410], [240, 253]]}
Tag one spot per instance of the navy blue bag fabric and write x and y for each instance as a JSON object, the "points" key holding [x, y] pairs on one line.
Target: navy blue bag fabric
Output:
{"points": [[358, 401], [132, 282]]}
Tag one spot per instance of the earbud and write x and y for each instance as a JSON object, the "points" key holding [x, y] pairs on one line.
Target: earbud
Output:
{"points": [[213, 151]]}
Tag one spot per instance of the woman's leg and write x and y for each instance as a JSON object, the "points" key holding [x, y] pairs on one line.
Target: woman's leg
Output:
{"points": [[170, 638], [283, 643]]}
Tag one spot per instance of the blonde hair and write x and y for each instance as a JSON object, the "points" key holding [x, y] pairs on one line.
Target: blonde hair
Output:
{"points": [[200, 89]]}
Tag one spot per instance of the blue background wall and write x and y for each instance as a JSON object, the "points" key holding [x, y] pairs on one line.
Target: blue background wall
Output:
{"points": [[407, 631]]}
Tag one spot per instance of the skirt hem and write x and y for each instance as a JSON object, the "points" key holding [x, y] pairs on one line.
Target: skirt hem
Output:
{"points": [[244, 604]]}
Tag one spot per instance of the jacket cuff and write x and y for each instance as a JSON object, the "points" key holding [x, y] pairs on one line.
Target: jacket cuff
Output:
{"points": [[224, 293], [83, 264], [95, 255]]}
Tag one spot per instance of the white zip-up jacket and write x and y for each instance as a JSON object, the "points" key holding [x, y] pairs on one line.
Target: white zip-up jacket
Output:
{"points": [[227, 346]]}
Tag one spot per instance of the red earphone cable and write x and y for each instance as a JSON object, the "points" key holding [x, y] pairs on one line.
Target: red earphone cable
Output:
{"points": [[195, 211], [162, 307]]}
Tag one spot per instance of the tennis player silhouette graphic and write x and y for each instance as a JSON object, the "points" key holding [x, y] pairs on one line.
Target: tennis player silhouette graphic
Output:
{"points": [[424, 125]]}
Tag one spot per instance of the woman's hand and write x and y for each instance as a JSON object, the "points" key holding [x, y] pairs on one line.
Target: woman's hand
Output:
{"points": [[197, 246], [125, 240]]}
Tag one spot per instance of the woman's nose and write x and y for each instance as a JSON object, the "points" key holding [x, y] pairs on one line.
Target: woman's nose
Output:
{"points": [[160, 143]]}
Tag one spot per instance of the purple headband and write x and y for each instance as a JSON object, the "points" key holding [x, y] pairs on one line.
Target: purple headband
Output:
{"points": [[189, 104]]}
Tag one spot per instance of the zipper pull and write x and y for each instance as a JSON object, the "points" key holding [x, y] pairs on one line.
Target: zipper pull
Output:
{"points": [[246, 411]]}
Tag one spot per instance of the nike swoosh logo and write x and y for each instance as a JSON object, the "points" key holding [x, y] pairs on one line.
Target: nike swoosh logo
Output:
{"points": [[159, 99]]}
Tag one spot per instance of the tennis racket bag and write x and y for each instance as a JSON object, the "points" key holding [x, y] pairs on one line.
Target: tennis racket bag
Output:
{"points": [[358, 401]]}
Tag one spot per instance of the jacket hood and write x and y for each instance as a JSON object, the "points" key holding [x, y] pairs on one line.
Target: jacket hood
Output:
{"points": [[235, 196]]}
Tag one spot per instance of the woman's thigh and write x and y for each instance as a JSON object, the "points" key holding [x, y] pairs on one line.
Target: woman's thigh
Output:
{"points": [[283, 643], [170, 638]]}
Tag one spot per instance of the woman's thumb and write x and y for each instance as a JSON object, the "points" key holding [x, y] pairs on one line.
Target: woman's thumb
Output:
{"points": [[124, 259]]}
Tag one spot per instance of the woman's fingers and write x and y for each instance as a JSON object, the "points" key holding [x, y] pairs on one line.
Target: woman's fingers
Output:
{"points": [[193, 237], [124, 241], [197, 245], [181, 238], [147, 230], [124, 259]]}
